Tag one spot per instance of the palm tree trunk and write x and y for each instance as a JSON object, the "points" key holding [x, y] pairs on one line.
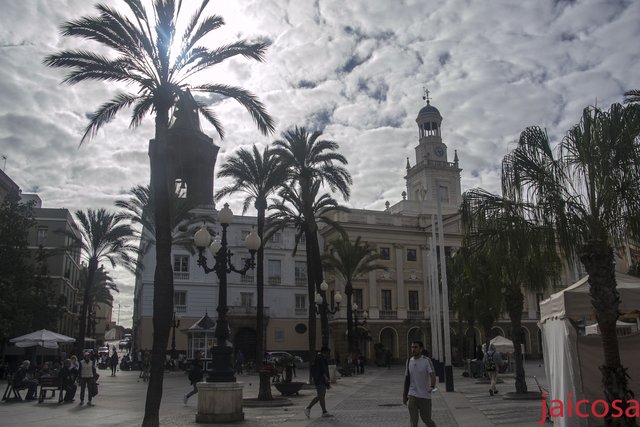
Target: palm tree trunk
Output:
{"points": [[311, 288], [597, 257], [163, 279], [91, 274], [348, 290], [264, 392], [316, 259], [515, 303]]}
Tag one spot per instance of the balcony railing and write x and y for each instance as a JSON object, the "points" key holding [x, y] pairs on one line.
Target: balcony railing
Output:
{"points": [[181, 308], [388, 314], [180, 275], [301, 281], [274, 280], [247, 278], [245, 310], [242, 310], [301, 311], [415, 314]]}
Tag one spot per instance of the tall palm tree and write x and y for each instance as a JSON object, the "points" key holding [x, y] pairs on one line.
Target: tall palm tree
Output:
{"points": [[310, 159], [151, 56], [589, 190], [103, 238], [524, 250], [289, 212], [258, 175], [350, 261]]}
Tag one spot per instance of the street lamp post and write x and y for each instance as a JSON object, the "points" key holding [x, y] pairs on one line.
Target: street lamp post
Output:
{"points": [[221, 367], [353, 340], [175, 323], [322, 307]]}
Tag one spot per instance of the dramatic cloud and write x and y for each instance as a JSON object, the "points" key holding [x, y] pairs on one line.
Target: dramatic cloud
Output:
{"points": [[354, 69]]}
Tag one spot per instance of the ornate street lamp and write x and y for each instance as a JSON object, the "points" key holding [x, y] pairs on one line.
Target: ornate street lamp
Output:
{"points": [[365, 316], [352, 335], [221, 354], [322, 306], [175, 323]]}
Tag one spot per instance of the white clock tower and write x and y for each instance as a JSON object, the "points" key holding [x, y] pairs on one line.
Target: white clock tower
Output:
{"points": [[432, 172]]}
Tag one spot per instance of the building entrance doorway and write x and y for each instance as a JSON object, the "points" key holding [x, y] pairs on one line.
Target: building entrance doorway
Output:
{"points": [[246, 342]]}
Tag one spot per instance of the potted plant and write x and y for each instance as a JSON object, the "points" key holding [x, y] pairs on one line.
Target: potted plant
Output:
{"points": [[286, 386]]}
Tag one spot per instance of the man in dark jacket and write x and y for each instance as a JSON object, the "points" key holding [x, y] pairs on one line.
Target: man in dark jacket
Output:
{"points": [[67, 381], [320, 374]]}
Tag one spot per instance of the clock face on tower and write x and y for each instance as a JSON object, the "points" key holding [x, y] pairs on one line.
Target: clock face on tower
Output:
{"points": [[439, 151]]}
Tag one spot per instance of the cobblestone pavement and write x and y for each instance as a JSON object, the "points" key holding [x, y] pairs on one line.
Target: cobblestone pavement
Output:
{"points": [[378, 402], [370, 400], [498, 411]]}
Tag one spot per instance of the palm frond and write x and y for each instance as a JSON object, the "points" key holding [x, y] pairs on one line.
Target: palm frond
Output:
{"points": [[248, 100]]}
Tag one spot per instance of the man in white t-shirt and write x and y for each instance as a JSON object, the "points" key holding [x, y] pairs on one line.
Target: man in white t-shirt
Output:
{"points": [[419, 381]]}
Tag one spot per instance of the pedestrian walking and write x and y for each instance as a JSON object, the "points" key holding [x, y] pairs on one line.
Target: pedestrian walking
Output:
{"points": [[87, 378], [195, 376], [113, 363], [239, 362], [419, 383], [320, 374], [492, 360], [146, 367]]}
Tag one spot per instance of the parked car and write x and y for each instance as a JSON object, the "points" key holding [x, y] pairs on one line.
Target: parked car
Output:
{"points": [[124, 345], [275, 356], [103, 350]]}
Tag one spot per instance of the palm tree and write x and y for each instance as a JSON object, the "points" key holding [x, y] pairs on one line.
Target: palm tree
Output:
{"points": [[289, 212], [310, 159], [101, 293], [140, 209], [350, 261], [474, 292], [103, 238], [258, 175], [103, 288], [589, 190], [151, 56], [522, 250]]}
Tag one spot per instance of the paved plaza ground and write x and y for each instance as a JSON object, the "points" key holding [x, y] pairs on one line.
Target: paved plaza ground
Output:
{"points": [[371, 400]]}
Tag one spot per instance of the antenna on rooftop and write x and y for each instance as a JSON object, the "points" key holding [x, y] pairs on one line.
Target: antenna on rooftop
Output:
{"points": [[4, 158]]}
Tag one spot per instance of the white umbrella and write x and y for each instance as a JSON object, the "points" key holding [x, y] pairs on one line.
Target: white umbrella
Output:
{"points": [[43, 338]]}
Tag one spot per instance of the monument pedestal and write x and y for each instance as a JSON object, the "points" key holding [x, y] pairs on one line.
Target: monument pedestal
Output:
{"points": [[219, 402]]}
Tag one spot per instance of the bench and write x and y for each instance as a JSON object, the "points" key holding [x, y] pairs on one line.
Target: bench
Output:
{"points": [[50, 383], [11, 390]]}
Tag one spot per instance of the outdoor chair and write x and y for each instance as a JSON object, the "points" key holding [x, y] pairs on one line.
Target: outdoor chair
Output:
{"points": [[11, 392], [50, 383]]}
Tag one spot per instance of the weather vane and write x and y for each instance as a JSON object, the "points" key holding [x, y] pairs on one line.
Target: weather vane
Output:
{"points": [[425, 95]]}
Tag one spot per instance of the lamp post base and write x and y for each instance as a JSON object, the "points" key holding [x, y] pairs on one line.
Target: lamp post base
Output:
{"points": [[219, 403], [221, 370]]}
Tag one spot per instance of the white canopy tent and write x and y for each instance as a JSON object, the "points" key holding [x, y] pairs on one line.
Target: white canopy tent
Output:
{"points": [[502, 344], [623, 328], [571, 362]]}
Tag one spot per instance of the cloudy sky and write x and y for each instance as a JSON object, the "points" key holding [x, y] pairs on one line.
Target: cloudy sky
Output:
{"points": [[354, 69]]}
